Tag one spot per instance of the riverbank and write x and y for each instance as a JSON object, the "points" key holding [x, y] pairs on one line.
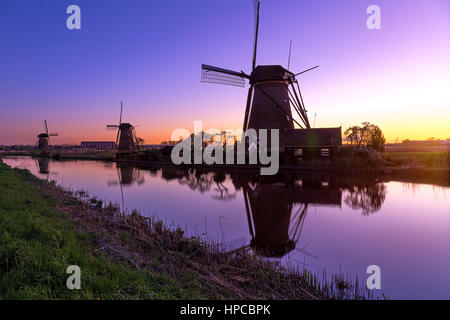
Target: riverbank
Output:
{"points": [[385, 162], [45, 228]]}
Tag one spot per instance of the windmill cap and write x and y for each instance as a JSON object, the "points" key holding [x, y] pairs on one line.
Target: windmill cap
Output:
{"points": [[43, 135], [273, 72], [125, 126]]}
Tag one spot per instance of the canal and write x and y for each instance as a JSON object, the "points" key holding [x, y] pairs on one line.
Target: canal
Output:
{"points": [[318, 220]]}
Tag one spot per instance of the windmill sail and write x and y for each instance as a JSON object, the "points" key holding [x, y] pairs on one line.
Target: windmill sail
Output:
{"points": [[217, 75], [255, 47], [256, 4]]}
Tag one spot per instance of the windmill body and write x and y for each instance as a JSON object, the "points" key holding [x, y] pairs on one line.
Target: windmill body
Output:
{"points": [[127, 141], [272, 80], [43, 142]]}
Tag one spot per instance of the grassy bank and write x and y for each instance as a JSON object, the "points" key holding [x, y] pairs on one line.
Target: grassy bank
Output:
{"points": [[428, 160], [38, 242], [44, 229]]}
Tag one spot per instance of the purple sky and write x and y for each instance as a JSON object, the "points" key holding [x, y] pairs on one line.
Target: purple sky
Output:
{"points": [[148, 54]]}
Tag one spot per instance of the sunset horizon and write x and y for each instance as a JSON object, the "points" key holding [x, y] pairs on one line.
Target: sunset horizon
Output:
{"points": [[395, 77]]}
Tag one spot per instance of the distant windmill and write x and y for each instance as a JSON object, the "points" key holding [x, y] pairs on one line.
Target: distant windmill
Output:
{"points": [[273, 90], [126, 139], [43, 140]]}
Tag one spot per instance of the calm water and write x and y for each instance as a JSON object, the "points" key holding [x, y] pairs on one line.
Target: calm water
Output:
{"points": [[315, 220]]}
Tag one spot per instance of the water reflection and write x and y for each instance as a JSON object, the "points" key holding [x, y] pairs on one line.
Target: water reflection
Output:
{"points": [[43, 165], [283, 215], [276, 206], [203, 181], [368, 199], [126, 176], [276, 212]]}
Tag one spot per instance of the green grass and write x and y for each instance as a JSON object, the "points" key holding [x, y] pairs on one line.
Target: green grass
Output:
{"points": [[431, 160], [38, 243]]}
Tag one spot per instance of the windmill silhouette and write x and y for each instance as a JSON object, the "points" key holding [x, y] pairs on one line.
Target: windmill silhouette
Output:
{"points": [[273, 90], [43, 139], [126, 139]]}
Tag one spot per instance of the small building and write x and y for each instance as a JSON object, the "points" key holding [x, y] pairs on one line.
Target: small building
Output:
{"points": [[99, 145], [156, 146], [312, 143]]}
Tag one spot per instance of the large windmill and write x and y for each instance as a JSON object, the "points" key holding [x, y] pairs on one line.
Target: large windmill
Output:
{"points": [[274, 91], [126, 139], [43, 139]]}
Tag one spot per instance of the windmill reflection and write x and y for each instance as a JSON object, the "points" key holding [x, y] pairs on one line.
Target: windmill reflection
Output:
{"points": [[276, 212], [43, 163], [127, 176]]}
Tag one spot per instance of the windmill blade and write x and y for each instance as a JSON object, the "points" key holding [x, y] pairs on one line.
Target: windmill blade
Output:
{"points": [[121, 188], [211, 74], [277, 105], [247, 107], [297, 222], [298, 107], [297, 74], [289, 57], [303, 104], [121, 108], [53, 134], [256, 5], [46, 128], [117, 138], [111, 127], [249, 213]]}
